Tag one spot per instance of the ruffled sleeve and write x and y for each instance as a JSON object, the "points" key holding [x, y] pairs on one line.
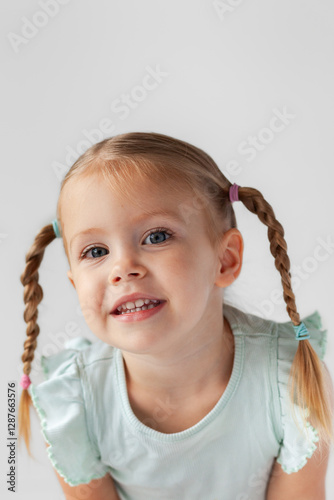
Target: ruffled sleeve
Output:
{"points": [[60, 404], [298, 443]]}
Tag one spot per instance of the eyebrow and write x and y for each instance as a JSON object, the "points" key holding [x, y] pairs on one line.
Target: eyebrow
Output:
{"points": [[145, 215]]}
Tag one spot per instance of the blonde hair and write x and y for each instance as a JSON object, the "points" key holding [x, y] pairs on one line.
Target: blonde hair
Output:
{"points": [[178, 165]]}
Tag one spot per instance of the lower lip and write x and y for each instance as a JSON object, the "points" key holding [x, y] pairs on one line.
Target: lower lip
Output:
{"points": [[138, 315]]}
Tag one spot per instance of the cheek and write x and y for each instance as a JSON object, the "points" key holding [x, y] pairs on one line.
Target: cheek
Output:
{"points": [[190, 271], [90, 299]]}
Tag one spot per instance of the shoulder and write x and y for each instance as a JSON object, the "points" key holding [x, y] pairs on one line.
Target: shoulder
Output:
{"points": [[247, 324], [286, 336], [283, 334], [270, 348], [75, 375], [97, 351], [78, 355], [63, 402]]}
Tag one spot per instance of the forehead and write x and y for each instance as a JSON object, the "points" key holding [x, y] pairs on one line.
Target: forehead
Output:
{"points": [[90, 199]]}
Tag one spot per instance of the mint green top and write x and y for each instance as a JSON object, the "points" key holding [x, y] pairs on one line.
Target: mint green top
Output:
{"points": [[88, 421]]}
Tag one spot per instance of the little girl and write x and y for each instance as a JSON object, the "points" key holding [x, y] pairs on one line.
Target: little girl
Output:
{"points": [[182, 397]]}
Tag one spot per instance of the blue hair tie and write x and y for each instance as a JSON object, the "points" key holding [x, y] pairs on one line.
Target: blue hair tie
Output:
{"points": [[56, 228], [302, 332]]}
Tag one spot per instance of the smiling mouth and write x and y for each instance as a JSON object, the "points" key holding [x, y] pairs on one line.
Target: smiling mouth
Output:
{"points": [[138, 305]]}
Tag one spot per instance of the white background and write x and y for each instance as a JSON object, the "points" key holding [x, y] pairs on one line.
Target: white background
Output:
{"points": [[224, 77]]}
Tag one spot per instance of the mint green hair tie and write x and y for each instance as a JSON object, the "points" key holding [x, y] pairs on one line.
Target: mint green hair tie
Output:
{"points": [[56, 228], [302, 332]]}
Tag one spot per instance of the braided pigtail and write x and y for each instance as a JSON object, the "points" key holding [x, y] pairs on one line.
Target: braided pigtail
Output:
{"points": [[33, 295], [307, 376]]}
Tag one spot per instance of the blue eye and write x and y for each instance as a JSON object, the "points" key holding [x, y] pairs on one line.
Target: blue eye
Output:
{"points": [[157, 237], [95, 252]]}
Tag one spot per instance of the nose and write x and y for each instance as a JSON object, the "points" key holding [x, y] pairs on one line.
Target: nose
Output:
{"points": [[125, 270]]}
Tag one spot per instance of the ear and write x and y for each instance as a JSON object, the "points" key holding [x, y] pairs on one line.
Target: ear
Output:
{"points": [[230, 253], [70, 277]]}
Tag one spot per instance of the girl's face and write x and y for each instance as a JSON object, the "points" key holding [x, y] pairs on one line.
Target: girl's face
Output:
{"points": [[159, 251]]}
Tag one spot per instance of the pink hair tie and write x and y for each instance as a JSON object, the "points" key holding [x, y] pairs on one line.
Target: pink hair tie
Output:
{"points": [[233, 193], [25, 381]]}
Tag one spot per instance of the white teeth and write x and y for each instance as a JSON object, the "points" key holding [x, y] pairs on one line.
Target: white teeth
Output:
{"points": [[143, 308], [136, 305]]}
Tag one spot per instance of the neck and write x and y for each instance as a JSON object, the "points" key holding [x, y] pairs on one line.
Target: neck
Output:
{"points": [[202, 372]]}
